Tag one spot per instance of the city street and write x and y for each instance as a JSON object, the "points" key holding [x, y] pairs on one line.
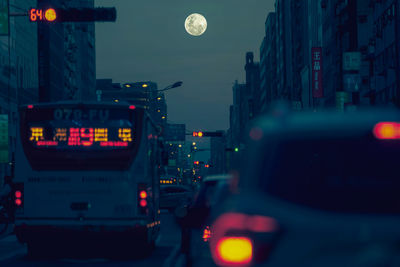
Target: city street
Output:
{"points": [[12, 253]]}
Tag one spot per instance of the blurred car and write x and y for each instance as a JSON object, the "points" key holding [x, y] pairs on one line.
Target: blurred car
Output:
{"points": [[317, 189], [213, 189], [173, 196]]}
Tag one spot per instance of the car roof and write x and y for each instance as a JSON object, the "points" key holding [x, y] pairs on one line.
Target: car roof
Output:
{"points": [[319, 124], [267, 133], [174, 186], [218, 177]]}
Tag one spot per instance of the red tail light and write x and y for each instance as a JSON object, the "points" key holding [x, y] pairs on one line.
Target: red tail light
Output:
{"points": [[132, 107], [142, 199], [18, 202], [143, 203], [233, 239], [18, 198], [143, 194], [30, 106], [235, 250], [18, 194], [387, 130]]}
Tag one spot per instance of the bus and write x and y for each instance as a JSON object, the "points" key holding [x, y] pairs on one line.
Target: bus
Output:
{"points": [[86, 171]]}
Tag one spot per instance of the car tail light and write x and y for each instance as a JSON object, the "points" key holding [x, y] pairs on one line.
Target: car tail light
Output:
{"points": [[142, 198], [239, 239], [206, 234], [235, 250], [387, 130]]}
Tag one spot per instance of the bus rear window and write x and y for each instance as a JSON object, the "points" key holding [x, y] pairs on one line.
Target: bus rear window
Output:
{"points": [[356, 176], [76, 137]]}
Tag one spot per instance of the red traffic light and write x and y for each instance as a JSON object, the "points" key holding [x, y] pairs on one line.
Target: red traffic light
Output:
{"points": [[198, 134]]}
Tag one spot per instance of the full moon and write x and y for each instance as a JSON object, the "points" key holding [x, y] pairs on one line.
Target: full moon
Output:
{"points": [[196, 24]]}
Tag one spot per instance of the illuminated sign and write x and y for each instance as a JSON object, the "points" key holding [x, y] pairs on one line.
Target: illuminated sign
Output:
{"points": [[74, 137], [316, 60], [36, 14]]}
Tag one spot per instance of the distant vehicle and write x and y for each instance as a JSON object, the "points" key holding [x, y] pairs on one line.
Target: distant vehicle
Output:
{"points": [[317, 189], [212, 190], [173, 196], [86, 170]]}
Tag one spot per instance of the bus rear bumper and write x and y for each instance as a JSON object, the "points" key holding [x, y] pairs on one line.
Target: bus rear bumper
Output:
{"points": [[89, 232]]}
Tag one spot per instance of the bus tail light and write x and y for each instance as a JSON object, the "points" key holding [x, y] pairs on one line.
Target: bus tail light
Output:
{"points": [[19, 195], [142, 198]]}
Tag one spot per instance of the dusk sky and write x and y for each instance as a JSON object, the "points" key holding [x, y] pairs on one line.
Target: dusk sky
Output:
{"points": [[149, 42]]}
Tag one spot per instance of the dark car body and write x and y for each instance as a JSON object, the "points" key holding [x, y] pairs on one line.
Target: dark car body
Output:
{"points": [[317, 189], [212, 191]]}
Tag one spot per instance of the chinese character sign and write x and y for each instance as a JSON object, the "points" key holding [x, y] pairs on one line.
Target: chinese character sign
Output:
{"points": [[316, 61]]}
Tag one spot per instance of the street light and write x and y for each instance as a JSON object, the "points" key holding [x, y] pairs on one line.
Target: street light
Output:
{"points": [[177, 84]]}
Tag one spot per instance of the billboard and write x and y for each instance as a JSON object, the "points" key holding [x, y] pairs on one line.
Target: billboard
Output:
{"points": [[316, 61]]}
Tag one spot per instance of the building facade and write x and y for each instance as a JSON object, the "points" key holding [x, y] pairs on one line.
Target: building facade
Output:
{"points": [[67, 56], [268, 63], [80, 55], [18, 74], [218, 155], [385, 84]]}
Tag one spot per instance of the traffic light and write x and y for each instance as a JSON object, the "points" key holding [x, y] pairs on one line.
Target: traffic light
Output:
{"points": [[198, 134], [207, 134], [236, 149], [72, 14]]}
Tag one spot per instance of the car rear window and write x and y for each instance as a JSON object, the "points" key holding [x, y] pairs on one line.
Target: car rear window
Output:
{"points": [[174, 190], [357, 176]]}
